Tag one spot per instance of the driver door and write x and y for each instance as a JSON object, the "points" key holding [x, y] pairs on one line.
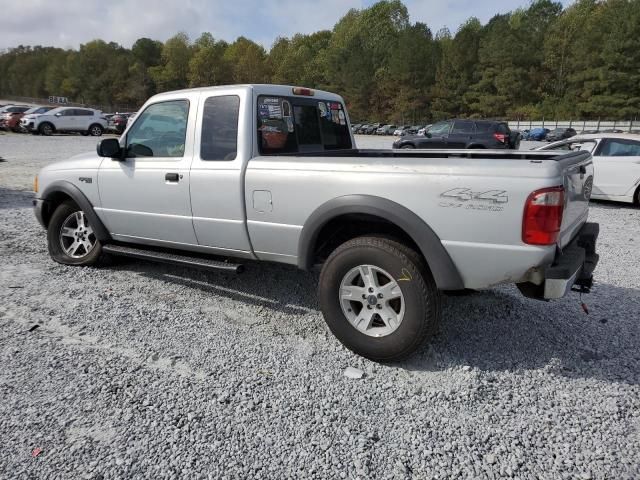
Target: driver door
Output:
{"points": [[145, 196], [65, 119]]}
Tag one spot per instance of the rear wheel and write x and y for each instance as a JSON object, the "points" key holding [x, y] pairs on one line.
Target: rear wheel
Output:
{"points": [[637, 197], [378, 298], [45, 128], [71, 238]]}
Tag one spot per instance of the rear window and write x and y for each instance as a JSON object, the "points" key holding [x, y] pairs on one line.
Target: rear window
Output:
{"points": [[219, 139], [620, 148], [502, 128], [293, 124]]}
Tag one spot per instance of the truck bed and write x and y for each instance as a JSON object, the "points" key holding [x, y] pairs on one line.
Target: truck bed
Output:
{"points": [[438, 153]]}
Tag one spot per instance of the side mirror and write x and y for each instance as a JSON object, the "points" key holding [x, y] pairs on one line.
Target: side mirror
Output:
{"points": [[110, 148]]}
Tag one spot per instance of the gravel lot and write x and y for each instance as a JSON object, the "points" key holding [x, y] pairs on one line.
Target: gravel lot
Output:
{"points": [[138, 370]]}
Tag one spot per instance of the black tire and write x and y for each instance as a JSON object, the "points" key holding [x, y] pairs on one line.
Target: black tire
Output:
{"points": [[46, 129], [96, 130], [636, 197], [419, 291], [56, 249], [407, 145]]}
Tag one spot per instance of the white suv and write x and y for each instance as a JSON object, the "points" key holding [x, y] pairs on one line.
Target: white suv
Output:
{"points": [[68, 119]]}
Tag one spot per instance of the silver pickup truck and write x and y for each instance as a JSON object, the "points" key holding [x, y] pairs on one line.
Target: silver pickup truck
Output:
{"points": [[213, 177]]}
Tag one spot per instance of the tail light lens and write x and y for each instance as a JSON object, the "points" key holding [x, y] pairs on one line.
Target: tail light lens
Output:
{"points": [[543, 216], [500, 137]]}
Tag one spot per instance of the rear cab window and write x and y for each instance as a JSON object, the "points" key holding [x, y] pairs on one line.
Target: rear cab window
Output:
{"points": [[298, 125]]}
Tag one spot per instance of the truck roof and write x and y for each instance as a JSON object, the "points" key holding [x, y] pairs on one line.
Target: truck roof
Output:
{"points": [[258, 88]]}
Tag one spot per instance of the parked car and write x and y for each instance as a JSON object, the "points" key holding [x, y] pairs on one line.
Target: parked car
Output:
{"points": [[388, 229], [412, 130], [538, 134], [386, 129], [11, 116], [616, 163], [560, 134], [460, 133], [398, 131], [11, 121], [355, 127], [118, 122], [14, 108], [371, 128], [67, 119]]}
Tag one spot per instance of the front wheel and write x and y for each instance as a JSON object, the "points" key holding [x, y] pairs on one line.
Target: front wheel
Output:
{"points": [[408, 145], [95, 130], [45, 129], [71, 238], [379, 298]]}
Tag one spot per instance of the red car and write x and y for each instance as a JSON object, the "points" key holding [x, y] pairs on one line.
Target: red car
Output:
{"points": [[10, 119], [118, 122]]}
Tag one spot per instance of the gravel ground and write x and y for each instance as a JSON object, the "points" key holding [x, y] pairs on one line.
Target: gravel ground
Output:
{"points": [[138, 370]]}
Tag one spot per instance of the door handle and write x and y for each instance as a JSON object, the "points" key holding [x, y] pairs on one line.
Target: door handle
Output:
{"points": [[172, 177]]}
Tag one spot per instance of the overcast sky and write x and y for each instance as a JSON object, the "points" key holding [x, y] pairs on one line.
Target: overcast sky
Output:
{"points": [[68, 23]]}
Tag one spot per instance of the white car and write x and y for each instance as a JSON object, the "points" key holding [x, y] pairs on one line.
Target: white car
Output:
{"points": [[86, 121], [616, 163]]}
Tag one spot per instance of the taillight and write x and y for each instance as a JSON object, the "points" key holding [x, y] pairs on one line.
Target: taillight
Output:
{"points": [[500, 137], [543, 216]]}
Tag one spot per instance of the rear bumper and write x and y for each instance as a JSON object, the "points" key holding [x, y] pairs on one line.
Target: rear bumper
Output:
{"points": [[574, 265]]}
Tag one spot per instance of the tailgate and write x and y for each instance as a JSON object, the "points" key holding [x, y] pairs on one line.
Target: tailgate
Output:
{"points": [[577, 174]]}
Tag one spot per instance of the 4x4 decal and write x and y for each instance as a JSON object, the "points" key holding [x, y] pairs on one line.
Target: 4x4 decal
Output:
{"points": [[466, 198]]}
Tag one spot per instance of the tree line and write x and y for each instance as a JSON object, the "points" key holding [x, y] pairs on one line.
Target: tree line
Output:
{"points": [[582, 61]]}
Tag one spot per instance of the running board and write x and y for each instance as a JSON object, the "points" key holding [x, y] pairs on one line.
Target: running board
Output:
{"points": [[172, 258]]}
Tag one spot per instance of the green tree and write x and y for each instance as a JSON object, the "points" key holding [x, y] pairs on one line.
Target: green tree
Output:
{"points": [[248, 61], [208, 65], [173, 71]]}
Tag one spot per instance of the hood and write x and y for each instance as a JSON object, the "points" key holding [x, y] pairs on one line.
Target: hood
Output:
{"points": [[88, 160], [33, 115]]}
